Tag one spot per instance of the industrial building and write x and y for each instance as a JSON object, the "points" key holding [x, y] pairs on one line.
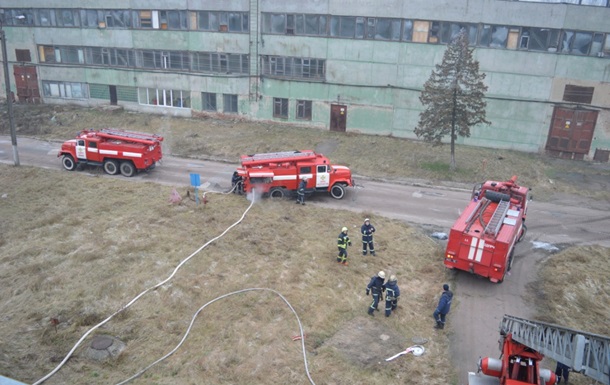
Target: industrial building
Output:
{"points": [[344, 65]]}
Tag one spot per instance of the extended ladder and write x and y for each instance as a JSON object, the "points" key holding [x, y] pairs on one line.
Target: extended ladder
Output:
{"points": [[496, 220], [586, 353]]}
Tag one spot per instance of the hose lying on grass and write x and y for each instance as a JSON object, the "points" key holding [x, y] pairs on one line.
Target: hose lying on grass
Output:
{"points": [[253, 199]]}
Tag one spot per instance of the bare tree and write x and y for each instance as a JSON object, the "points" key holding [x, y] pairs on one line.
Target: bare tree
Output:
{"points": [[453, 96]]}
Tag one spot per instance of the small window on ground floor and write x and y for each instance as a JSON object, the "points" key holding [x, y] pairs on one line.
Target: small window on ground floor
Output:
{"points": [[280, 108], [208, 101], [303, 109], [230, 104]]}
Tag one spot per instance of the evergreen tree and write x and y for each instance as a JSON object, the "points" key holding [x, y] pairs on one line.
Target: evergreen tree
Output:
{"points": [[453, 96]]}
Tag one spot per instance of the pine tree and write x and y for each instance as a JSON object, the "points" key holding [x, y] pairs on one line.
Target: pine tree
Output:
{"points": [[453, 96]]}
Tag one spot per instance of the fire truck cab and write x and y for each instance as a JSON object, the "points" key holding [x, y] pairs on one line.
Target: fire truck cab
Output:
{"points": [[278, 174]]}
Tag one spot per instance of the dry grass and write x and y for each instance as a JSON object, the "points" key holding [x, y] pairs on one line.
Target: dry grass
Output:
{"points": [[574, 291], [77, 248]]}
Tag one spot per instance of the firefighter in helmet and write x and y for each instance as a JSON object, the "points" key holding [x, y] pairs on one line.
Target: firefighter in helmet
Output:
{"points": [[236, 183], [301, 191], [392, 292], [367, 231], [342, 243], [377, 287]]}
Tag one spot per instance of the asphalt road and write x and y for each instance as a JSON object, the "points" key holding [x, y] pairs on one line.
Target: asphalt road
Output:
{"points": [[479, 304]]}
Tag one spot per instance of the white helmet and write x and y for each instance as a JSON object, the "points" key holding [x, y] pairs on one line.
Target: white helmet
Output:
{"points": [[381, 274], [392, 278], [344, 229], [367, 220]]}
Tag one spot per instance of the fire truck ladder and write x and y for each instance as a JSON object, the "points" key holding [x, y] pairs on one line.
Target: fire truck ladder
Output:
{"points": [[496, 220], [278, 155], [130, 134], [586, 353]]}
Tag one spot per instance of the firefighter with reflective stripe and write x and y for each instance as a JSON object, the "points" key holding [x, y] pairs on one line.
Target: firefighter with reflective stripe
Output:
{"points": [[377, 287], [367, 231], [301, 191], [342, 243], [392, 292]]}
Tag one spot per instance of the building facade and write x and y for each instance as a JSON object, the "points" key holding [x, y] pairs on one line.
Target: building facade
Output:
{"points": [[345, 65]]}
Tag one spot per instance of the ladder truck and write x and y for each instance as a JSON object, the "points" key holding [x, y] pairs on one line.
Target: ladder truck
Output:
{"points": [[482, 240], [115, 150], [525, 343]]}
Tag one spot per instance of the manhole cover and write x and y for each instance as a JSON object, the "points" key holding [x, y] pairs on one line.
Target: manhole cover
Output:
{"points": [[101, 342]]}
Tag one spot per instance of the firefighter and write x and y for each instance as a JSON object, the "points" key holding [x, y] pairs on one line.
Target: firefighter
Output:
{"points": [[301, 191], [562, 370], [367, 231], [236, 183], [392, 292], [377, 287], [444, 305], [342, 243]]}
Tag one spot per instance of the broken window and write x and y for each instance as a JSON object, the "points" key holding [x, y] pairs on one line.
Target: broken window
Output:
{"points": [[493, 36], [23, 55], [407, 33]]}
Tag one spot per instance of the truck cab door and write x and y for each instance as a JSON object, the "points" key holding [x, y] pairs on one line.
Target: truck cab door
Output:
{"points": [[322, 176], [81, 151]]}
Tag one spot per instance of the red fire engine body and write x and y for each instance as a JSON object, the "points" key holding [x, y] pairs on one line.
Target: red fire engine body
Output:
{"points": [[482, 240], [115, 150], [278, 174], [517, 365]]}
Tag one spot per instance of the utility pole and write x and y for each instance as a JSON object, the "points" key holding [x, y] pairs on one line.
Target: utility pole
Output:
{"points": [[9, 98]]}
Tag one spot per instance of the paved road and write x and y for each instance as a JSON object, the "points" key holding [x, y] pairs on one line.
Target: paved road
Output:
{"points": [[480, 304]]}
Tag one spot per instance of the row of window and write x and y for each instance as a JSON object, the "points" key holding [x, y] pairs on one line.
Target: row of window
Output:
{"points": [[209, 62], [375, 28], [424, 31], [176, 98], [126, 19], [212, 62], [302, 112], [597, 3]]}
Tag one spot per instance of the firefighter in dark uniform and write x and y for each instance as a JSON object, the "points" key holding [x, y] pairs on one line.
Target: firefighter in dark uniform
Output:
{"points": [[301, 191], [444, 305], [392, 292], [377, 287], [342, 243], [367, 231], [236, 183]]}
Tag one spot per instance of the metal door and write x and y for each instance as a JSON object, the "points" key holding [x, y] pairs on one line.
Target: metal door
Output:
{"points": [[338, 117], [26, 80], [113, 96], [571, 132]]}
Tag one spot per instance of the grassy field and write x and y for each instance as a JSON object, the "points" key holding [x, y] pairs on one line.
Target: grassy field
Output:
{"points": [[76, 248]]}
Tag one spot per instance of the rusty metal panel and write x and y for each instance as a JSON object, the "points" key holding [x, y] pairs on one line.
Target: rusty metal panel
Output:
{"points": [[26, 80], [571, 132]]}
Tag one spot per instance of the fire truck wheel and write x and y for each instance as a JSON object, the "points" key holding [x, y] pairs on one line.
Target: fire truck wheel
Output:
{"points": [[277, 193], [111, 166], [337, 191], [68, 162], [523, 232], [510, 260], [127, 169]]}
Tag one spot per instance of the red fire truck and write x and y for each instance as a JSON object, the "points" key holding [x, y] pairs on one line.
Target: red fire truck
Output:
{"points": [[115, 150], [482, 240], [278, 174]]}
